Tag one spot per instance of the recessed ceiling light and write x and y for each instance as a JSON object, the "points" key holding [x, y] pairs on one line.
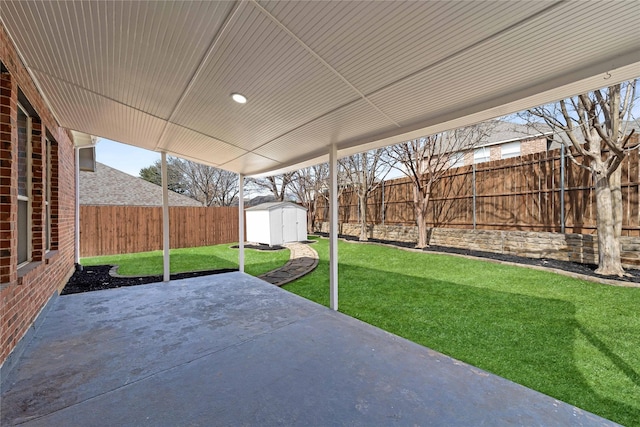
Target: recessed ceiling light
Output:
{"points": [[240, 99]]}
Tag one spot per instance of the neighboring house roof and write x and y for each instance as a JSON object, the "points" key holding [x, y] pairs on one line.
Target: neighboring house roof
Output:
{"points": [[503, 132], [274, 205], [108, 186], [258, 200]]}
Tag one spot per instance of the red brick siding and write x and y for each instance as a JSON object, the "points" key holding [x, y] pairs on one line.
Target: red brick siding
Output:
{"points": [[8, 179], [24, 292]]}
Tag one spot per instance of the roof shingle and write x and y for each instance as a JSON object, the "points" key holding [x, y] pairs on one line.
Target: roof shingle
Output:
{"points": [[108, 186]]}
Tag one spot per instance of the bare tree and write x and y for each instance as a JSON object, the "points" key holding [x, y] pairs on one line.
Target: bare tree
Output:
{"points": [[276, 185], [209, 185], [227, 190], [595, 125], [426, 159], [364, 172], [308, 185]]}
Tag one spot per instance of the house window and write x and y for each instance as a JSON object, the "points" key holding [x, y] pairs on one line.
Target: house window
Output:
{"points": [[47, 195], [456, 160], [482, 154], [24, 186], [510, 149]]}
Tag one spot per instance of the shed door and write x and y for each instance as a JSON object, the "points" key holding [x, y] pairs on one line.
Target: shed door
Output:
{"points": [[289, 225]]}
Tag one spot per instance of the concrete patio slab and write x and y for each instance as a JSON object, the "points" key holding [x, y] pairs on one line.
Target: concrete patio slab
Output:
{"points": [[231, 349]]}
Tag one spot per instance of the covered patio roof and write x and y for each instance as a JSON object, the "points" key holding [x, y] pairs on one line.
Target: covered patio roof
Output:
{"points": [[354, 75]]}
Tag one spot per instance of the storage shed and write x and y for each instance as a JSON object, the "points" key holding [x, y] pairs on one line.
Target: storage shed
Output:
{"points": [[276, 223]]}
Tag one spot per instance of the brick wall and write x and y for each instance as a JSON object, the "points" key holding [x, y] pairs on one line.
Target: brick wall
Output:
{"points": [[528, 146], [495, 153], [536, 145], [25, 291], [581, 248]]}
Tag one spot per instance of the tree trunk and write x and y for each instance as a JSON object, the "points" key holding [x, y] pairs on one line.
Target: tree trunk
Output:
{"points": [[420, 203], [312, 215], [609, 263], [616, 201], [363, 218]]}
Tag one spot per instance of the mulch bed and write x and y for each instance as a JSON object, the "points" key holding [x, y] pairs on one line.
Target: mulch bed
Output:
{"points": [[572, 267], [261, 247], [96, 278]]}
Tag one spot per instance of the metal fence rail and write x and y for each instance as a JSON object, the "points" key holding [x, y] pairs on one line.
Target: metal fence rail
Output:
{"points": [[537, 192]]}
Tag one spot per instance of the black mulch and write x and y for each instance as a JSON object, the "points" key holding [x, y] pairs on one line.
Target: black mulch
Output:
{"points": [[97, 278], [261, 247], [573, 267]]}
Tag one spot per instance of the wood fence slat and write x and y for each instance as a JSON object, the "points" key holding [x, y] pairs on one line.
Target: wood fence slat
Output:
{"points": [[109, 230], [513, 194]]}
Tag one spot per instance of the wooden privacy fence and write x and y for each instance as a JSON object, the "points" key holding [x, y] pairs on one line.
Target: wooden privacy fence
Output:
{"points": [[108, 230], [529, 193]]}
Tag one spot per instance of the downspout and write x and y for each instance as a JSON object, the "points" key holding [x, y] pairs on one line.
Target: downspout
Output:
{"points": [[77, 216]]}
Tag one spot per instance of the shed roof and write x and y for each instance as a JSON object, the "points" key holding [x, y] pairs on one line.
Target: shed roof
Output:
{"points": [[274, 205], [109, 186]]}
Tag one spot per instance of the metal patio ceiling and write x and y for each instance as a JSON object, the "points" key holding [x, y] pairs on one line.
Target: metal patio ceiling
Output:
{"points": [[159, 75]]}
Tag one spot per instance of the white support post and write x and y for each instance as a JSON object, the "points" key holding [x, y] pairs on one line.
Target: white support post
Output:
{"points": [[77, 217], [241, 223], [165, 219], [333, 228]]}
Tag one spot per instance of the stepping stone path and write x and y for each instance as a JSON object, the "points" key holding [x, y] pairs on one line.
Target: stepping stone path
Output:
{"points": [[303, 260]]}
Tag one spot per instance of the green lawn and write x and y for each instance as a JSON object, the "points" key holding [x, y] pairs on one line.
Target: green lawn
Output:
{"points": [[193, 259], [574, 340]]}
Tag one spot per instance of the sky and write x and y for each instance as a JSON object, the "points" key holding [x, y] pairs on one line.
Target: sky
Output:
{"points": [[124, 157]]}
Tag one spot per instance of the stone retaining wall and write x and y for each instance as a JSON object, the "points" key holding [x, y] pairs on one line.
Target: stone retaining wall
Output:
{"points": [[580, 248]]}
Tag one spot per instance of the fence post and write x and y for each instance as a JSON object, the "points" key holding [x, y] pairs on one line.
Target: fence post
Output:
{"points": [[473, 182], [382, 212], [562, 178]]}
